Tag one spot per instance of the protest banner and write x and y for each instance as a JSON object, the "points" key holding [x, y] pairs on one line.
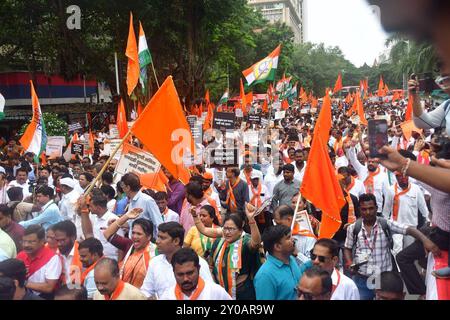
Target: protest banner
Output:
{"points": [[280, 115], [53, 150], [75, 126], [239, 113], [222, 158], [264, 122], [110, 145], [77, 147], [251, 138], [57, 140], [136, 160], [255, 119], [224, 120], [304, 224], [113, 131]]}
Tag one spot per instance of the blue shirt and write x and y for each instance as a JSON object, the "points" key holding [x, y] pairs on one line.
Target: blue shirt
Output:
{"points": [[49, 216], [120, 206], [151, 211], [276, 280]]}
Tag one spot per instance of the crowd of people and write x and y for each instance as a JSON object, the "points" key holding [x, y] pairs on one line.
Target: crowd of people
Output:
{"points": [[214, 238]]}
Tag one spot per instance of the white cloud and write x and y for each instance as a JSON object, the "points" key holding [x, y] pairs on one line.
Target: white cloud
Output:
{"points": [[351, 25]]}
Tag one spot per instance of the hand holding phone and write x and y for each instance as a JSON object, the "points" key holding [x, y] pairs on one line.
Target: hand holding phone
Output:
{"points": [[377, 137]]}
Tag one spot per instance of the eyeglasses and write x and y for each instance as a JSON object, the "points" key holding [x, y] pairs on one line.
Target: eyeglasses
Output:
{"points": [[305, 295], [313, 256], [229, 229]]}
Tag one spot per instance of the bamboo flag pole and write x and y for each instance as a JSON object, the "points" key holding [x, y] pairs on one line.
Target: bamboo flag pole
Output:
{"points": [[296, 210], [154, 73], [91, 186]]}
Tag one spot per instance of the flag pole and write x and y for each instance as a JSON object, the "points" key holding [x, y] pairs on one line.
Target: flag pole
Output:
{"points": [[111, 156], [296, 210], [154, 73]]}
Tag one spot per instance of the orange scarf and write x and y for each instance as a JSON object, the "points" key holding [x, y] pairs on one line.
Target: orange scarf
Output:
{"points": [[231, 199], [352, 184], [195, 294], [88, 269], [117, 291], [134, 266], [351, 208], [337, 145], [248, 177], [75, 267], [256, 201], [368, 183], [397, 200]]}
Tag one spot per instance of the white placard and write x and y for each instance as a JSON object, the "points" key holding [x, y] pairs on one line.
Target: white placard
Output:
{"points": [[251, 138], [110, 145], [113, 131], [239, 113], [280, 115], [137, 160], [53, 150], [57, 140]]}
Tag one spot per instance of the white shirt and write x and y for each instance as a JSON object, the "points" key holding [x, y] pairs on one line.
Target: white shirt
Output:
{"points": [[298, 175], [67, 263], [25, 187], [270, 180], [254, 171], [160, 276], [67, 210], [101, 224], [50, 271], [410, 204], [89, 284], [358, 188], [346, 289], [171, 216], [380, 181], [211, 291], [111, 204]]}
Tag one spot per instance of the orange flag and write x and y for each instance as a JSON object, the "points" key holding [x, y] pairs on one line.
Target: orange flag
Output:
{"points": [[408, 127], [360, 110], [91, 143], [284, 104], [348, 99], [139, 109], [409, 108], [209, 117], [200, 110], [154, 181], [354, 107], [243, 98], [338, 84], [207, 97], [320, 184], [133, 59], [381, 92], [166, 140], [121, 121], [265, 107], [386, 89], [396, 96]]}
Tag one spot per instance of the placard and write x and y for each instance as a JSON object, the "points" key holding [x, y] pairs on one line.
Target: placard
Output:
{"points": [[280, 115], [113, 131], [136, 160], [53, 150], [75, 126], [222, 158], [110, 145], [77, 147], [255, 119], [264, 122], [57, 140], [224, 120], [239, 113], [304, 224], [251, 138]]}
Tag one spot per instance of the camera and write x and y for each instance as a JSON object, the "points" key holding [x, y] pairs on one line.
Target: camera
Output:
{"points": [[32, 185]]}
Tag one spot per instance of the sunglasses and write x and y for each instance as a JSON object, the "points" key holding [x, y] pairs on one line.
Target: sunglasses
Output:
{"points": [[322, 259]]}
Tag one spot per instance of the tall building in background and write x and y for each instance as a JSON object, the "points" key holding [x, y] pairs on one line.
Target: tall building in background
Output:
{"points": [[290, 12]]}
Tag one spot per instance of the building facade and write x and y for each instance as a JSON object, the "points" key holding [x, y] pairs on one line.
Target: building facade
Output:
{"points": [[290, 12]]}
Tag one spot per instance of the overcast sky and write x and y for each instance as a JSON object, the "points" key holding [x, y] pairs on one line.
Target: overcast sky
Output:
{"points": [[350, 24]]}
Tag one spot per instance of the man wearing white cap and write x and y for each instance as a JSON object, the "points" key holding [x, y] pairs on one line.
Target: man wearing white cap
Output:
{"points": [[68, 202], [258, 193]]}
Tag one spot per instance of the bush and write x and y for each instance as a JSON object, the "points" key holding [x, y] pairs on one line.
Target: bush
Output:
{"points": [[54, 126]]}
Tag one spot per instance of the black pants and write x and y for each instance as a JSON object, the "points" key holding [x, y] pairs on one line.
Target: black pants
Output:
{"points": [[406, 258]]}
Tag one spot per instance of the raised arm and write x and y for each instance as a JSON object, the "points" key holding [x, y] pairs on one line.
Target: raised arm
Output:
{"points": [[115, 226], [209, 232], [255, 242]]}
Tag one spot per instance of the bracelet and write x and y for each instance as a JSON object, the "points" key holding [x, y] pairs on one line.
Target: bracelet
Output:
{"points": [[252, 222], [406, 166]]}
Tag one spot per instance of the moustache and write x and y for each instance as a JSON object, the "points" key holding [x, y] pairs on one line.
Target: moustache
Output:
{"points": [[187, 283]]}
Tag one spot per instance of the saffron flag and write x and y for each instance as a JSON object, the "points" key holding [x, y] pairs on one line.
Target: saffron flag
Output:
{"points": [[381, 92], [121, 121], [320, 184], [133, 59], [409, 108], [35, 137], [338, 84], [242, 97], [408, 127], [168, 141], [91, 144], [207, 97], [144, 56], [360, 110], [263, 70]]}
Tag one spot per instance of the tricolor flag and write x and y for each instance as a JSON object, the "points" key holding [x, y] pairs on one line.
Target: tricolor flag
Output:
{"points": [[145, 57], [224, 98], [2, 107], [263, 70], [35, 138], [133, 59]]}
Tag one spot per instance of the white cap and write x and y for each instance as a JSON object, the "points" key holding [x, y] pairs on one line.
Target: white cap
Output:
{"points": [[67, 182], [254, 175]]}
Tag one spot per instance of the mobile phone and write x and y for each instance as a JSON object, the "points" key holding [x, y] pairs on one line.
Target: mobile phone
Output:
{"points": [[357, 265], [378, 137]]}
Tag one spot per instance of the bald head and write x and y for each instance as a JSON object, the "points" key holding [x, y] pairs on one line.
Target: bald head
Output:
{"points": [[106, 275]]}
